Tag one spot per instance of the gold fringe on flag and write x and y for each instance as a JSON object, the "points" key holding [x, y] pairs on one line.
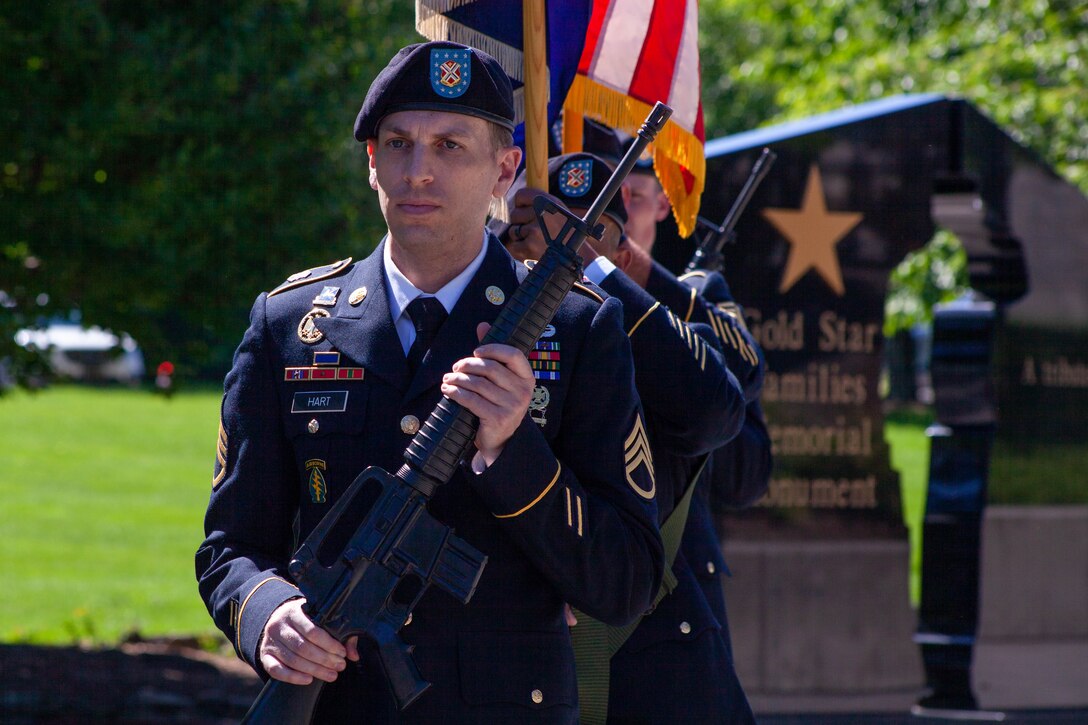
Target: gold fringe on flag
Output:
{"points": [[443, 6], [674, 147], [431, 24]]}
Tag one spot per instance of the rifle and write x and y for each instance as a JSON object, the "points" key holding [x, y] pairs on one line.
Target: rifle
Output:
{"points": [[373, 555], [708, 253]]}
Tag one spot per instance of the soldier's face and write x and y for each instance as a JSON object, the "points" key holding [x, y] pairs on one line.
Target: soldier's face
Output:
{"points": [[646, 205], [435, 174]]}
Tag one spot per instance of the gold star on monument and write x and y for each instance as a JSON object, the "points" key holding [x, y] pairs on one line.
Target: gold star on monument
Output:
{"points": [[813, 232]]}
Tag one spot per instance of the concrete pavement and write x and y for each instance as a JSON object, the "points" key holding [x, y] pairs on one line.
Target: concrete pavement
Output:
{"points": [[1029, 682]]}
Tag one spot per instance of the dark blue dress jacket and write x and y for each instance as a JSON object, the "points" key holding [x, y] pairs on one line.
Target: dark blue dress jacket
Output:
{"points": [[739, 473]]}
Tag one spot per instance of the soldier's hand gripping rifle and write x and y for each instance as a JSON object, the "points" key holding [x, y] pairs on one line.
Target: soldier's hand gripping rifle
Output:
{"points": [[373, 555], [708, 252]]}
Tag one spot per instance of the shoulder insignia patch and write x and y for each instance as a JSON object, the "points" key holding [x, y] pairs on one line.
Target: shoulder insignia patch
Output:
{"points": [[588, 292], [313, 274], [639, 461], [316, 481]]}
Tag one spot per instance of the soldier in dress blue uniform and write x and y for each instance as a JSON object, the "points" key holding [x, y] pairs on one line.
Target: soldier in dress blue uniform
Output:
{"points": [[739, 473], [329, 379], [693, 380]]}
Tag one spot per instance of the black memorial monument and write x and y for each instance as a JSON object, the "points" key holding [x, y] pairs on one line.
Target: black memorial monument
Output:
{"points": [[851, 193]]}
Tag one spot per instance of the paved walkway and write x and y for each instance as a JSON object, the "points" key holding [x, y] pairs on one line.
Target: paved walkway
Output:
{"points": [[1019, 717], [1019, 682]]}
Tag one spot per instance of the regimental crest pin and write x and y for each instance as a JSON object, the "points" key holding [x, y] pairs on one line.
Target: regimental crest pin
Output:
{"points": [[328, 296], [451, 71], [307, 330], [576, 177], [495, 295], [316, 482]]}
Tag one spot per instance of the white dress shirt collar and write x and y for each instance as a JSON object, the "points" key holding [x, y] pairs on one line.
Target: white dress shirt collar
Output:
{"points": [[401, 291]]}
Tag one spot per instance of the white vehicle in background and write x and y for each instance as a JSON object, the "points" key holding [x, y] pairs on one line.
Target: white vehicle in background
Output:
{"points": [[87, 354]]}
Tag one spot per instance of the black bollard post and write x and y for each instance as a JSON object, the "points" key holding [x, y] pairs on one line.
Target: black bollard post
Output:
{"points": [[960, 444]]}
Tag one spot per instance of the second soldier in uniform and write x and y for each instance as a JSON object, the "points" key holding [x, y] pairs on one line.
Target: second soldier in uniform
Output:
{"points": [[675, 667]]}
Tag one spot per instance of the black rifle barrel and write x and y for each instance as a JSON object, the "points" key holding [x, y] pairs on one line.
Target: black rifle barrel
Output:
{"points": [[708, 252]]}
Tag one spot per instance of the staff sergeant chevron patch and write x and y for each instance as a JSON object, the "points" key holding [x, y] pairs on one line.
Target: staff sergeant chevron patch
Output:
{"points": [[639, 461]]}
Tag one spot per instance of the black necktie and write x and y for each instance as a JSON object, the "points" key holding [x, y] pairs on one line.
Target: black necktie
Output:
{"points": [[427, 315]]}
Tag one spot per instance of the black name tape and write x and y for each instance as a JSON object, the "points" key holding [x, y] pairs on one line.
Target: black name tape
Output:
{"points": [[324, 401]]}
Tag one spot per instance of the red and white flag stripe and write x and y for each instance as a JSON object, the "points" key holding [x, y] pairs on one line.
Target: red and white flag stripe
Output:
{"points": [[667, 66], [638, 52]]}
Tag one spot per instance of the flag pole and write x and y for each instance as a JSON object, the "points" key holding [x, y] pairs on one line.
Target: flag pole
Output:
{"points": [[573, 122], [536, 93]]}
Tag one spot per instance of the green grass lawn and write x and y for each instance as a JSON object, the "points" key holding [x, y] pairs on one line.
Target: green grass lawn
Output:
{"points": [[104, 491], [905, 434]]}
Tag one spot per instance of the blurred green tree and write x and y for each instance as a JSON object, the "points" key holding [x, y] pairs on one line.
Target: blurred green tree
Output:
{"points": [[163, 161], [1022, 62], [935, 273]]}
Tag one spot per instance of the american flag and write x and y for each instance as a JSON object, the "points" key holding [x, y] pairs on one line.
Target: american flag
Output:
{"points": [[638, 52]]}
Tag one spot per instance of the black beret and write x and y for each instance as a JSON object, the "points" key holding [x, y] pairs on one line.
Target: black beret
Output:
{"points": [[438, 76], [602, 141], [577, 180], [612, 145]]}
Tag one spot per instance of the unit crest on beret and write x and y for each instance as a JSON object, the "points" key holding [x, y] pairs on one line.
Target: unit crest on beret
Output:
{"points": [[313, 274]]}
